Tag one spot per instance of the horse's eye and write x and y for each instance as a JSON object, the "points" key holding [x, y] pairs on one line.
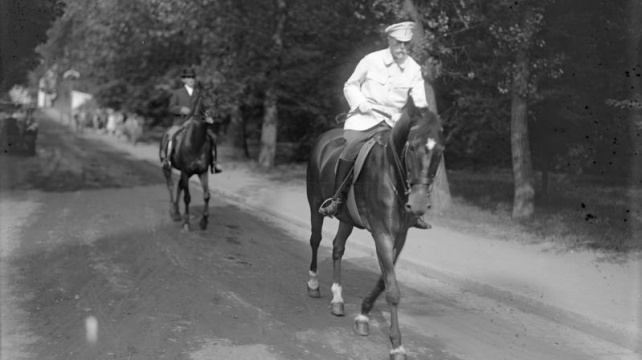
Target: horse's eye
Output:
{"points": [[430, 144]]}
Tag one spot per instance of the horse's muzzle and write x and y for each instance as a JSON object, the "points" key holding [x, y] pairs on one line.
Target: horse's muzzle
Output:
{"points": [[418, 200]]}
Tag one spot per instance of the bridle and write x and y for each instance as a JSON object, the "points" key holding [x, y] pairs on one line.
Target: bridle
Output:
{"points": [[406, 172], [408, 178]]}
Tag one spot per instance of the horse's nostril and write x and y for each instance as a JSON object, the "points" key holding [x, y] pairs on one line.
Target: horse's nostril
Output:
{"points": [[408, 207]]}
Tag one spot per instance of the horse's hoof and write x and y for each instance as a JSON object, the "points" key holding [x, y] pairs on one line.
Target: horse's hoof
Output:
{"points": [[337, 309], [398, 356], [203, 224], [314, 293], [186, 227], [361, 327]]}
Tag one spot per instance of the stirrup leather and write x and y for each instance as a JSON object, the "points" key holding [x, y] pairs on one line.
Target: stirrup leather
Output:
{"points": [[330, 206]]}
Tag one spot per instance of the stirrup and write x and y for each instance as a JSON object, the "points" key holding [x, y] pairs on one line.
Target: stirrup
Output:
{"points": [[329, 207]]}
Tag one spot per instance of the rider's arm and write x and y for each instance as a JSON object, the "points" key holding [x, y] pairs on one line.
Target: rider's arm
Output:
{"points": [[418, 90], [175, 104], [352, 87]]}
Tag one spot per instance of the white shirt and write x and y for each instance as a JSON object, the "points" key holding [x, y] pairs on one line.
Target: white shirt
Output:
{"points": [[190, 90], [386, 85]]}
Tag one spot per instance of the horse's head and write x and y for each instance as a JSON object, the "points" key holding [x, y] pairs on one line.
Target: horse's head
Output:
{"points": [[420, 153]]}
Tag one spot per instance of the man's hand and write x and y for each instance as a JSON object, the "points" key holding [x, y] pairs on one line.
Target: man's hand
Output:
{"points": [[185, 110], [365, 108]]}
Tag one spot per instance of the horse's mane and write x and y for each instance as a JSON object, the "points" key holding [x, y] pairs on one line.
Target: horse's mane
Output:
{"points": [[418, 123], [426, 124]]}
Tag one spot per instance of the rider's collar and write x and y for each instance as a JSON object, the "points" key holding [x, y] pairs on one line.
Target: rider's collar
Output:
{"points": [[389, 60]]}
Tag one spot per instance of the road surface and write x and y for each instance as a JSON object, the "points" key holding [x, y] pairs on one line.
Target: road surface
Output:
{"points": [[92, 267]]}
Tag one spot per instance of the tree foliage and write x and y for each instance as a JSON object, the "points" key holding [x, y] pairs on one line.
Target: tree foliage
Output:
{"points": [[23, 24], [129, 53]]}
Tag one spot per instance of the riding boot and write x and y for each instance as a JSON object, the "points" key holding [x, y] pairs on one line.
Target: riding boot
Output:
{"points": [[420, 223], [168, 153], [162, 154], [342, 178], [215, 168]]}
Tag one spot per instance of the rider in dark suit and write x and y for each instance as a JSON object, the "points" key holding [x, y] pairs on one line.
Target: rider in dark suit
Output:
{"points": [[184, 102]]}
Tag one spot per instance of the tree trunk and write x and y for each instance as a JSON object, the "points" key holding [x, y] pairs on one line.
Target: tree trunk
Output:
{"points": [[545, 181], [236, 132], [441, 198], [634, 83], [4, 41], [269, 128], [267, 155], [524, 196]]}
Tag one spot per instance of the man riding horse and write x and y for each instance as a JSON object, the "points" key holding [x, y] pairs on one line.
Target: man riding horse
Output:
{"points": [[185, 102], [376, 91]]}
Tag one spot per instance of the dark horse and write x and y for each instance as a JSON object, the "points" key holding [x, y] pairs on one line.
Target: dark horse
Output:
{"points": [[391, 190], [192, 155]]}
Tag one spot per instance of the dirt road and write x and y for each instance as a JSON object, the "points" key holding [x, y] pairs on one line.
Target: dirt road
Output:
{"points": [[92, 267]]}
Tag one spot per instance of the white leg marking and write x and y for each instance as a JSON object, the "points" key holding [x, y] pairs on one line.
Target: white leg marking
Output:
{"points": [[362, 318], [313, 283], [337, 290], [399, 350]]}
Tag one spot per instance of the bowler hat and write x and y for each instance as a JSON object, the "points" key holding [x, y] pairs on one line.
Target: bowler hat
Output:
{"points": [[188, 72]]}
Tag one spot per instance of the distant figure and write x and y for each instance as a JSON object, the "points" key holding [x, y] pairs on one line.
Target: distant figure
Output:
{"points": [[185, 102], [133, 127], [111, 122]]}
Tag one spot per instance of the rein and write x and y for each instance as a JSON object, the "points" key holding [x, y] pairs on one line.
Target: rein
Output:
{"points": [[402, 169], [399, 166], [342, 117]]}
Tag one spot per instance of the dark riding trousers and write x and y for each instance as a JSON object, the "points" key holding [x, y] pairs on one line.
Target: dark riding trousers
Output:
{"points": [[356, 138]]}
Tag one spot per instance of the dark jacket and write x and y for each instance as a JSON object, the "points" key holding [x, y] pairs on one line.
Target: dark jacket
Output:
{"points": [[181, 98]]}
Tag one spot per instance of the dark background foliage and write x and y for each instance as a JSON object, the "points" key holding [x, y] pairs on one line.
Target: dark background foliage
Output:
{"points": [[130, 53]]}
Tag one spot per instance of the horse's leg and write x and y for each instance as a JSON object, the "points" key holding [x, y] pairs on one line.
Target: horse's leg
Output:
{"points": [[361, 323], [187, 198], [380, 286], [338, 248], [388, 251], [173, 201], [315, 240], [206, 199], [177, 197], [397, 352]]}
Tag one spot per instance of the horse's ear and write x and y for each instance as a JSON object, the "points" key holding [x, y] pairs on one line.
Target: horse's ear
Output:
{"points": [[410, 104], [411, 108]]}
